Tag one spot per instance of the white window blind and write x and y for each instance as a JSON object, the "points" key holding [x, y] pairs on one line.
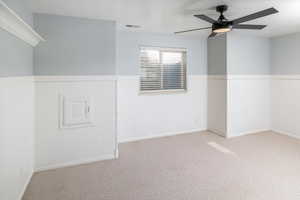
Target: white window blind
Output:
{"points": [[162, 69]]}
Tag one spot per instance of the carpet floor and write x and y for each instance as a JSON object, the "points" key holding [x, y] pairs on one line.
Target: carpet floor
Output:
{"points": [[199, 166]]}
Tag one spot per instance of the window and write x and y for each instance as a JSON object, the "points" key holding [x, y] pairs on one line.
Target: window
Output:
{"points": [[162, 69]]}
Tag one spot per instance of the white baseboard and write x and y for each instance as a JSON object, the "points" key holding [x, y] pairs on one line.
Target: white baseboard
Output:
{"points": [[25, 186], [239, 134], [247, 133], [219, 133], [286, 133], [133, 139], [75, 163]]}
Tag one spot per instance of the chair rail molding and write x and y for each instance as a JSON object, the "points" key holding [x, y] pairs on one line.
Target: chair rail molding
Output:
{"points": [[14, 24]]}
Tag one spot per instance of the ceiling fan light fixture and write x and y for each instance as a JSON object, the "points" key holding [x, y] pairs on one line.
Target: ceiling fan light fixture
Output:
{"points": [[222, 30]]}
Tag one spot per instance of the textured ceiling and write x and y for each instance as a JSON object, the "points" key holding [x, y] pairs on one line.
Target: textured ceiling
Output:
{"points": [[167, 16]]}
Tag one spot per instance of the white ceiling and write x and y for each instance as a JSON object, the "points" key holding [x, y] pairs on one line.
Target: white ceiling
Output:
{"points": [[167, 16]]}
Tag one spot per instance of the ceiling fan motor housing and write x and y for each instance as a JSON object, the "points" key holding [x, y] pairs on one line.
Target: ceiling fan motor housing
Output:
{"points": [[222, 23], [222, 8]]}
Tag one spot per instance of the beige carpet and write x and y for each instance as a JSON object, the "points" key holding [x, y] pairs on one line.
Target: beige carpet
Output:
{"points": [[201, 166]]}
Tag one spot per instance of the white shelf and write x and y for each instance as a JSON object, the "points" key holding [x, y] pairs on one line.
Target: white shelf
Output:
{"points": [[11, 22]]}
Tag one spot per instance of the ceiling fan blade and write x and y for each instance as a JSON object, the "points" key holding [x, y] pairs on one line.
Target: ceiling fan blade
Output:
{"points": [[212, 35], [248, 26], [253, 16], [195, 29], [206, 18]]}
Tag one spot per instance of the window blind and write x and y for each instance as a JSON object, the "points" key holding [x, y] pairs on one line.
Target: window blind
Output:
{"points": [[162, 69]]}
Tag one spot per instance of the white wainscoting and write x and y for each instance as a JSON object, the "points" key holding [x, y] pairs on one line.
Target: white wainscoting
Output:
{"points": [[142, 116], [248, 102], [285, 104], [238, 104], [16, 135], [57, 147]]}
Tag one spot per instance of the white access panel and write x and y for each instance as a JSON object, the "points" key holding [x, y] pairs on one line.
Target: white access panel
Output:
{"points": [[76, 112]]}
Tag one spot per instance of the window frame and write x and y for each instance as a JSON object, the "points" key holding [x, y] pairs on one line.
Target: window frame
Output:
{"points": [[164, 49]]}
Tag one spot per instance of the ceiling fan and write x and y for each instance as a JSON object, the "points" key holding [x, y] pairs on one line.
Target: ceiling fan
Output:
{"points": [[222, 25]]}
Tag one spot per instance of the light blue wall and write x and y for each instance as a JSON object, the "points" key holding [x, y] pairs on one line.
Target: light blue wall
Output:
{"points": [[248, 55], [129, 43], [16, 55], [285, 54], [216, 55], [239, 54], [74, 46]]}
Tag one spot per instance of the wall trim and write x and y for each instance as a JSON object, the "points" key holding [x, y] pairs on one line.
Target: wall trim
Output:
{"points": [[128, 77], [26, 185], [247, 133], [286, 133], [137, 77], [217, 77], [238, 77], [14, 24], [228, 136], [76, 163], [16, 79], [286, 77], [74, 78], [248, 77], [217, 132], [134, 139]]}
